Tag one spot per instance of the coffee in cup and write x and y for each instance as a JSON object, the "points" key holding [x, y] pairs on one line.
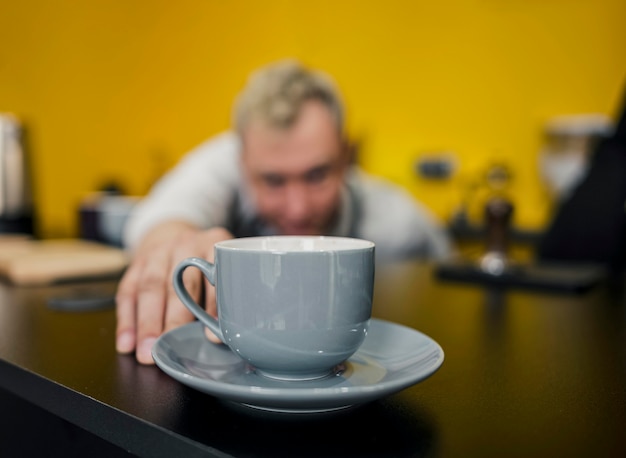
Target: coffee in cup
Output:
{"points": [[293, 307]]}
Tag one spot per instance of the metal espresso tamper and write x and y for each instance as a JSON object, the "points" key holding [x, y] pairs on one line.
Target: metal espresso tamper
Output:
{"points": [[498, 212]]}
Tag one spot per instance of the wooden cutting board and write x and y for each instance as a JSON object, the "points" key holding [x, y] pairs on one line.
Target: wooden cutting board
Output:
{"points": [[24, 261]]}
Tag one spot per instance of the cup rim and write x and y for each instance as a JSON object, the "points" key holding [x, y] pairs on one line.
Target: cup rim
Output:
{"points": [[317, 244]]}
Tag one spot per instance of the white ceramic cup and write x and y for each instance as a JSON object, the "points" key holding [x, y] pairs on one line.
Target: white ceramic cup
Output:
{"points": [[294, 307]]}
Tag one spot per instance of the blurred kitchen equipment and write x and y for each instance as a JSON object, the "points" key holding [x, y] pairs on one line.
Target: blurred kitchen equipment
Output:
{"points": [[103, 216], [498, 212], [568, 143], [590, 224], [15, 192], [497, 269]]}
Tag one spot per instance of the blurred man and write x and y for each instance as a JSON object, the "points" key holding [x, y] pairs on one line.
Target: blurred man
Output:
{"points": [[284, 170]]}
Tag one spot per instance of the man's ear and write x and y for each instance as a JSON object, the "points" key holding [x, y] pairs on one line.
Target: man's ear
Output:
{"points": [[351, 149]]}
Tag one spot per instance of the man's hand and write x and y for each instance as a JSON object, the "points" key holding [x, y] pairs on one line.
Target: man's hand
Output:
{"points": [[147, 304]]}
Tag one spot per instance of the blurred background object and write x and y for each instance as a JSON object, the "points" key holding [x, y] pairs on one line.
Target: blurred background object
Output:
{"points": [[103, 217], [498, 213], [589, 223], [42, 262], [585, 242], [16, 214], [569, 143], [102, 214], [117, 89]]}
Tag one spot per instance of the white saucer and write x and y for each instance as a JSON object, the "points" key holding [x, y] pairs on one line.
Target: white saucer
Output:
{"points": [[391, 358]]}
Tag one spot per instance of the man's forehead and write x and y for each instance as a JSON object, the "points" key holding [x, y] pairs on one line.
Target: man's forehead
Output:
{"points": [[267, 149], [290, 166]]}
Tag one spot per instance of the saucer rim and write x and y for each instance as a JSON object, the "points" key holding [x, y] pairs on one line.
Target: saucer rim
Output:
{"points": [[306, 398]]}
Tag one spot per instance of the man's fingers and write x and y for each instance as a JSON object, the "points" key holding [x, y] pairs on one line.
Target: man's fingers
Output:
{"points": [[125, 300], [212, 337], [151, 302], [176, 313], [211, 308], [202, 245], [146, 302]]}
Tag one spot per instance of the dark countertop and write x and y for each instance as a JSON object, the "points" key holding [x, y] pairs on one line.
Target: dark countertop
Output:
{"points": [[525, 374]]}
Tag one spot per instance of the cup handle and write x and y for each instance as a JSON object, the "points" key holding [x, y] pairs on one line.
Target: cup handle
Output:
{"points": [[208, 270]]}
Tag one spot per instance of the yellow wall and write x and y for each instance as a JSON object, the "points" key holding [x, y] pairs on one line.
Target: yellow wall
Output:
{"points": [[120, 89]]}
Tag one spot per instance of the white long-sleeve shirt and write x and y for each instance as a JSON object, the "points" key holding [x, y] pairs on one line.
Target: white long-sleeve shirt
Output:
{"points": [[206, 189]]}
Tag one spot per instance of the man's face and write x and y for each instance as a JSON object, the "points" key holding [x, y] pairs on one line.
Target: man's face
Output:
{"points": [[296, 174]]}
